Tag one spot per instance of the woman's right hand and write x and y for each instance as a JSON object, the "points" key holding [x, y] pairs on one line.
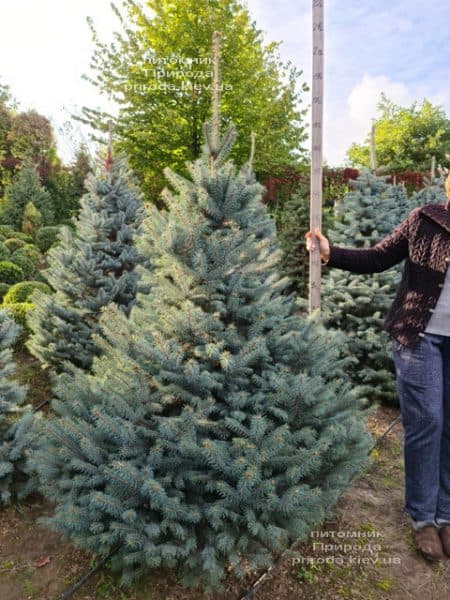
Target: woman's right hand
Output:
{"points": [[324, 245]]}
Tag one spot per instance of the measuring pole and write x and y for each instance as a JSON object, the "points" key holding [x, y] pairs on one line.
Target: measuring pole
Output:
{"points": [[316, 149]]}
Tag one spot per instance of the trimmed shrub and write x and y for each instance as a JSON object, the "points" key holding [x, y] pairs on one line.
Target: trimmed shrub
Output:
{"points": [[4, 287], [32, 252], [46, 237], [10, 272], [4, 252], [14, 244], [20, 235], [20, 292], [6, 232], [21, 259]]}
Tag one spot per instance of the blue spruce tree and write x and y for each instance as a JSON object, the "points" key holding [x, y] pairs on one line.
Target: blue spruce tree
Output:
{"points": [[355, 303], [433, 192], [89, 268], [16, 420], [216, 425]]}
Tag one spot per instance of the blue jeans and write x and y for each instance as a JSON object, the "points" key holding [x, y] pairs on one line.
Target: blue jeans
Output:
{"points": [[423, 384]]}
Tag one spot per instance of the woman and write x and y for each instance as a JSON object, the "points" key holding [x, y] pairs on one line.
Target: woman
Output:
{"points": [[418, 323]]}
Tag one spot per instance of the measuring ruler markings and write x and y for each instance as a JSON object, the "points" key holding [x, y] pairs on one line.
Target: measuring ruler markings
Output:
{"points": [[316, 148]]}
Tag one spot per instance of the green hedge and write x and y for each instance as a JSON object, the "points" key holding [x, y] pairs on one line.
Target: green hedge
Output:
{"points": [[26, 237], [21, 259], [14, 244], [20, 292], [6, 232], [4, 252], [46, 237], [4, 288], [10, 272], [32, 252]]}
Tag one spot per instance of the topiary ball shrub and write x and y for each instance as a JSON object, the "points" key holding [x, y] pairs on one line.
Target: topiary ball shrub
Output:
{"points": [[20, 292], [20, 235], [6, 232], [46, 237], [4, 252], [33, 253], [21, 259], [10, 272], [14, 244], [4, 288]]}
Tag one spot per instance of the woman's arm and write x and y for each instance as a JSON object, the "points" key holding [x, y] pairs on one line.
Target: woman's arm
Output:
{"points": [[386, 253]]}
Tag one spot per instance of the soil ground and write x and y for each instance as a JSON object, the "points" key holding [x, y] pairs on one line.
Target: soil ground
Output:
{"points": [[37, 564]]}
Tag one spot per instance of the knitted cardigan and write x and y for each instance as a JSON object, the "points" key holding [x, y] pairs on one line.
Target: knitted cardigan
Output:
{"points": [[423, 239]]}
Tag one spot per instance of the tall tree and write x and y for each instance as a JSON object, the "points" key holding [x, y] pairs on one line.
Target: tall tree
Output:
{"points": [[67, 184], [406, 138], [433, 192], [89, 268], [6, 115], [159, 72], [25, 188], [31, 135], [216, 425], [356, 303]]}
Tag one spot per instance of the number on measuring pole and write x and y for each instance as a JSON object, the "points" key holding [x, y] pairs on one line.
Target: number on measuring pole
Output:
{"points": [[316, 146]]}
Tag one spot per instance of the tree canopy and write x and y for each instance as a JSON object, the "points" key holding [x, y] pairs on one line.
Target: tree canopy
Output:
{"points": [[159, 72], [406, 138]]}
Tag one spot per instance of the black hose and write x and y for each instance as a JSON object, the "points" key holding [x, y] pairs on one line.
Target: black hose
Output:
{"points": [[87, 575]]}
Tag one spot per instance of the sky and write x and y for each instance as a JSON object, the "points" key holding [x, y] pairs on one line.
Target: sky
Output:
{"points": [[399, 48]]}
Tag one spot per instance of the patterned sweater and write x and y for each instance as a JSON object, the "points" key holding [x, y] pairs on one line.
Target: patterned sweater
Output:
{"points": [[423, 239]]}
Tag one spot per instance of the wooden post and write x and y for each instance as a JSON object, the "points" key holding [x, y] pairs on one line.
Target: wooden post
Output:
{"points": [[316, 148], [216, 88]]}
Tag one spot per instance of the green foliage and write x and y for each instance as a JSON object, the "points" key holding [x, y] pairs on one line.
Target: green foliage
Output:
{"points": [[293, 221], [4, 287], [4, 252], [15, 420], [91, 267], [14, 244], [433, 192], [32, 252], [20, 235], [46, 237], [21, 258], [162, 105], [6, 232], [354, 303], [67, 185], [406, 138], [24, 189], [217, 424], [32, 219], [20, 311], [20, 292], [31, 135], [10, 272]]}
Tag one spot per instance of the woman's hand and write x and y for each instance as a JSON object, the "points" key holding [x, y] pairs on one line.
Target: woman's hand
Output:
{"points": [[324, 245]]}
